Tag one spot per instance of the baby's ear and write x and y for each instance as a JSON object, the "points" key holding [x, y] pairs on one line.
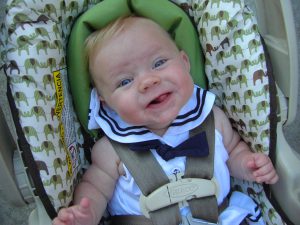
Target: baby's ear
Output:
{"points": [[185, 59]]}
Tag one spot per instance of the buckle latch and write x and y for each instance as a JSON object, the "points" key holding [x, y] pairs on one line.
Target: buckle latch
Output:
{"points": [[178, 191]]}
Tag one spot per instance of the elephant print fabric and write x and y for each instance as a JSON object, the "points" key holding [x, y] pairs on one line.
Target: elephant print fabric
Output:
{"points": [[236, 67], [33, 41], [239, 74]]}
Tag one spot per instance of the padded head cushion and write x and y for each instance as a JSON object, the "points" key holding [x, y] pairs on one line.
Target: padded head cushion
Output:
{"points": [[165, 13]]}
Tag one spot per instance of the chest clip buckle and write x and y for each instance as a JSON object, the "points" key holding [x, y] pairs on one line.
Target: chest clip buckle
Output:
{"points": [[178, 191]]}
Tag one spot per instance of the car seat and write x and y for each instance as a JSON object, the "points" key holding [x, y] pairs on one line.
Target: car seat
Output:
{"points": [[51, 142]]}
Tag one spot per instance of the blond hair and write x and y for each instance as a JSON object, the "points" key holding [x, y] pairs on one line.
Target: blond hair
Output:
{"points": [[96, 40]]}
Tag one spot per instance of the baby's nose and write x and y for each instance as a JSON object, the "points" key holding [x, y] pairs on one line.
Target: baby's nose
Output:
{"points": [[148, 83]]}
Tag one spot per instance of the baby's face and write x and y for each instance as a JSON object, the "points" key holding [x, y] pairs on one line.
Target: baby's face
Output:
{"points": [[143, 76]]}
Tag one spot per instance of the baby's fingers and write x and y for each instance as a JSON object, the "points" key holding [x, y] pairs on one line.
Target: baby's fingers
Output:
{"points": [[58, 221], [270, 178], [266, 174], [273, 179], [64, 217]]}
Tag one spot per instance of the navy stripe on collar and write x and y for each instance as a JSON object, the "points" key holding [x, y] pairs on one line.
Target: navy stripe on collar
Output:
{"points": [[180, 120], [116, 129], [198, 110]]}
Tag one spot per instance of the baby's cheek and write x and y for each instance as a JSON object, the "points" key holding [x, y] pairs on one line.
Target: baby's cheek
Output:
{"points": [[130, 114]]}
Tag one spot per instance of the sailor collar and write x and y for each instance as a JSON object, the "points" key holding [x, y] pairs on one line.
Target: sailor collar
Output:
{"points": [[191, 115]]}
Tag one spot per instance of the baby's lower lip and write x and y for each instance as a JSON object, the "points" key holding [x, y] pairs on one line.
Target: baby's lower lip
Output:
{"points": [[157, 102]]}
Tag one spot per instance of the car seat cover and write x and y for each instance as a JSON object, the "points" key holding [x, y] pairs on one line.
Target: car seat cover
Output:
{"points": [[33, 50], [238, 73]]}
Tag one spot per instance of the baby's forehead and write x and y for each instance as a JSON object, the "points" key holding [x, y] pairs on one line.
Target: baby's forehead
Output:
{"points": [[143, 23], [138, 30]]}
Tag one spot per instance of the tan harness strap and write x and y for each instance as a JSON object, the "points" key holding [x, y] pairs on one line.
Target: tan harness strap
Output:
{"points": [[204, 208], [130, 220], [149, 176]]}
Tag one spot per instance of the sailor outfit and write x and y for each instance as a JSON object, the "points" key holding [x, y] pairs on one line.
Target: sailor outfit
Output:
{"points": [[125, 200]]}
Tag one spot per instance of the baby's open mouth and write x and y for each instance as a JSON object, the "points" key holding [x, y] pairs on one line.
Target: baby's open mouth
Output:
{"points": [[159, 99]]}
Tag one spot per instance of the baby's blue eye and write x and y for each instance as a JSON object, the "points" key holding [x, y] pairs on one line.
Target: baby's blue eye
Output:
{"points": [[159, 63], [125, 82]]}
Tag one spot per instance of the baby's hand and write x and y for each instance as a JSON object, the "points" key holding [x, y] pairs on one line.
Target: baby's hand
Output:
{"points": [[261, 169], [75, 215]]}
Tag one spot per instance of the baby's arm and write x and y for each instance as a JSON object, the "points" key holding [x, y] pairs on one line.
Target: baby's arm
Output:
{"points": [[95, 189], [243, 163]]}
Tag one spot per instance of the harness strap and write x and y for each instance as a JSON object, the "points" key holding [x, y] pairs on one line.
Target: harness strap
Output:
{"points": [[149, 176], [203, 167], [130, 220]]}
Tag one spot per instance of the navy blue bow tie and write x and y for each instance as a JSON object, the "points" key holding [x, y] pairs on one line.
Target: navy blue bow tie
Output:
{"points": [[195, 146]]}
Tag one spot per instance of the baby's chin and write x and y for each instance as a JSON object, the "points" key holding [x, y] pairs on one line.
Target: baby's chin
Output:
{"points": [[161, 126]]}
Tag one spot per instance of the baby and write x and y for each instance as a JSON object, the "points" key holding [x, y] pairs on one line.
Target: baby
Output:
{"points": [[144, 88]]}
